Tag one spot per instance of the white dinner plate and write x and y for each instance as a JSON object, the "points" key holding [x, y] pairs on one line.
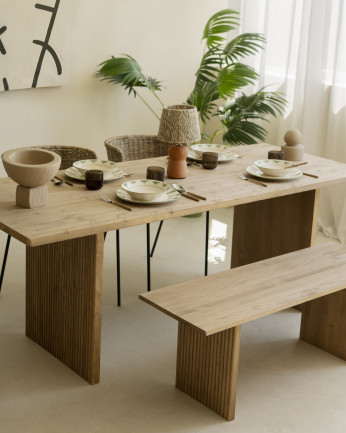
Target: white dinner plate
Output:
{"points": [[166, 197], [111, 175], [255, 171], [229, 156]]}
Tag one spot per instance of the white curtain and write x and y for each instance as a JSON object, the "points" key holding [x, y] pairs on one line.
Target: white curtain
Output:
{"points": [[305, 57]]}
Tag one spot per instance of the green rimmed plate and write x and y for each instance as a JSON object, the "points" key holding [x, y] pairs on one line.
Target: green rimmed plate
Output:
{"points": [[114, 174], [167, 195]]}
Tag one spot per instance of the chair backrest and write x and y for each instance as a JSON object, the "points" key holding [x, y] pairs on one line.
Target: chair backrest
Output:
{"points": [[130, 147], [70, 154]]}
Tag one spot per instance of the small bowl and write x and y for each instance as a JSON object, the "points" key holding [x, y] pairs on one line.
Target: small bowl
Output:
{"points": [[31, 167], [94, 164], [220, 149], [145, 189], [274, 167]]}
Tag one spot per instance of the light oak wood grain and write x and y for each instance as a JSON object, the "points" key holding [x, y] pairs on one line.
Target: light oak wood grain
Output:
{"points": [[211, 310], [227, 299], [76, 212]]}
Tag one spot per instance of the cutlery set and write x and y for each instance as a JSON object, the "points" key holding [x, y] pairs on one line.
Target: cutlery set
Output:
{"points": [[187, 194]]}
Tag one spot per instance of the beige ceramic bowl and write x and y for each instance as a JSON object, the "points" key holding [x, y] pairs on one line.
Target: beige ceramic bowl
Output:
{"points": [[220, 149], [145, 189], [94, 164], [274, 167], [31, 167]]}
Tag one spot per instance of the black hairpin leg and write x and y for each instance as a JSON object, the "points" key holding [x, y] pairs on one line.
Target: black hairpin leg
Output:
{"points": [[156, 238], [5, 260], [206, 242], [148, 259], [117, 232]]}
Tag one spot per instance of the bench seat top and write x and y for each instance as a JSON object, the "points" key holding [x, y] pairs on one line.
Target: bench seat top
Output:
{"points": [[221, 301]]}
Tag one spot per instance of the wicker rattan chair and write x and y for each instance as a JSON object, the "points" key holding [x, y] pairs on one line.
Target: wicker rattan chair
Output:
{"points": [[128, 148], [68, 154]]}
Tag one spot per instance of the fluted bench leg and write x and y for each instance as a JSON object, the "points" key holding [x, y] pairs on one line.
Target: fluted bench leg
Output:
{"points": [[63, 302], [207, 367], [323, 323]]}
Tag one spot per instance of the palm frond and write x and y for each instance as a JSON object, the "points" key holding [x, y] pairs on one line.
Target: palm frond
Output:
{"points": [[221, 22], [127, 72], [240, 116], [241, 131], [209, 66], [234, 78], [243, 45], [203, 98]]}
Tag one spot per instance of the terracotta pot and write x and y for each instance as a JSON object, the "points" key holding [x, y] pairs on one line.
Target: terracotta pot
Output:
{"points": [[177, 167]]}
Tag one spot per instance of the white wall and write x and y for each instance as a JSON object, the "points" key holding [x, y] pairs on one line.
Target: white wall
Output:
{"points": [[162, 35]]}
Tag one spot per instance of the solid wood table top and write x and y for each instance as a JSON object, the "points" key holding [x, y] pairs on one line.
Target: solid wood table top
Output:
{"points": [[230, 298], [75, 211]]}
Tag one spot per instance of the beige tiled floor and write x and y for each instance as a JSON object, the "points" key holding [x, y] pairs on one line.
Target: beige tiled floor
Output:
{"points": [[284, 385]]}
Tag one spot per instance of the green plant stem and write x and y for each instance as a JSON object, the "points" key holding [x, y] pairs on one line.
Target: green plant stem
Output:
{"points": [[218, 131], [145, 102], [156, 96]]}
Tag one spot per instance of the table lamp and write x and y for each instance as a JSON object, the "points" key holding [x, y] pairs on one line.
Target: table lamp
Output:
{"points": [[178, 125]]}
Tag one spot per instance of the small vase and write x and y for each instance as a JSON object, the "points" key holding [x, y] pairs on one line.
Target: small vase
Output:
{"points": [[177, 167]]}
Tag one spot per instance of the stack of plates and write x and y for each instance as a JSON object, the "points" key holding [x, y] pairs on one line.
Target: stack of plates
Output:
{"points": [[109, 168], [147, 191], [274, 169], [225, 153]]}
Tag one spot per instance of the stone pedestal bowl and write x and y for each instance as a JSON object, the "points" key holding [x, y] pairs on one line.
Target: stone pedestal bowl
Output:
{"points": [[31, 169]]}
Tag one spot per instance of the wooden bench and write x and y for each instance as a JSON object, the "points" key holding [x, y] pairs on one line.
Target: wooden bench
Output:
{"points": [[210, 311]]}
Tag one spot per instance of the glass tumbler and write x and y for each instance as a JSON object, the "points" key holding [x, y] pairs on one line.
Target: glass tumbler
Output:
{"points": [[156, 173], [94, 179], [209, 160]]}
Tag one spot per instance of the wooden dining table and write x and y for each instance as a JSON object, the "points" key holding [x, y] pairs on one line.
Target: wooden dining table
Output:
{"points": [[64, 239]]}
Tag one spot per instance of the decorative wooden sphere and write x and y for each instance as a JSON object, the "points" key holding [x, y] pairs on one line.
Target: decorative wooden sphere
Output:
{"points": [[293, 137]]}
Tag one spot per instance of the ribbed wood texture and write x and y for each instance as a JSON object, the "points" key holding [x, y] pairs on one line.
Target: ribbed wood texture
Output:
{"points": [[207, 367], [63, 302], [324, 323]]}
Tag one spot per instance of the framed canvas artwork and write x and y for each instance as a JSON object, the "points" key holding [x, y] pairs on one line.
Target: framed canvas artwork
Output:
{"points": [[32, 44]]}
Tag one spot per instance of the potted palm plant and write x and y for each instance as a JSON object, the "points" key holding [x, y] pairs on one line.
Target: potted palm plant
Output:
{"points": [[219, 79]]}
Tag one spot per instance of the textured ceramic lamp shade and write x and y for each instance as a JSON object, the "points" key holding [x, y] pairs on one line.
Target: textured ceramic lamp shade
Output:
{"points": [[179, 125]]}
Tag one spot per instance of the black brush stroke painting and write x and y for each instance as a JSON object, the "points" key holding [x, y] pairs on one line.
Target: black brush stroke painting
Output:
{"points": [[3, 52], [45, 44]]}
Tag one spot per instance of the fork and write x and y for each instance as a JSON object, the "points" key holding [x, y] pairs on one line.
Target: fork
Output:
{"points": [[251, 180], [116, 203]]}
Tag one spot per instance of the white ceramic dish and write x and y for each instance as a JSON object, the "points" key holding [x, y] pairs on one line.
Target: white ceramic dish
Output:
{"points": [[274, 167], [220, 149], [294, 173], [94, 164], [73, 173], [145, 189], [229, 156], [166, 197]]}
